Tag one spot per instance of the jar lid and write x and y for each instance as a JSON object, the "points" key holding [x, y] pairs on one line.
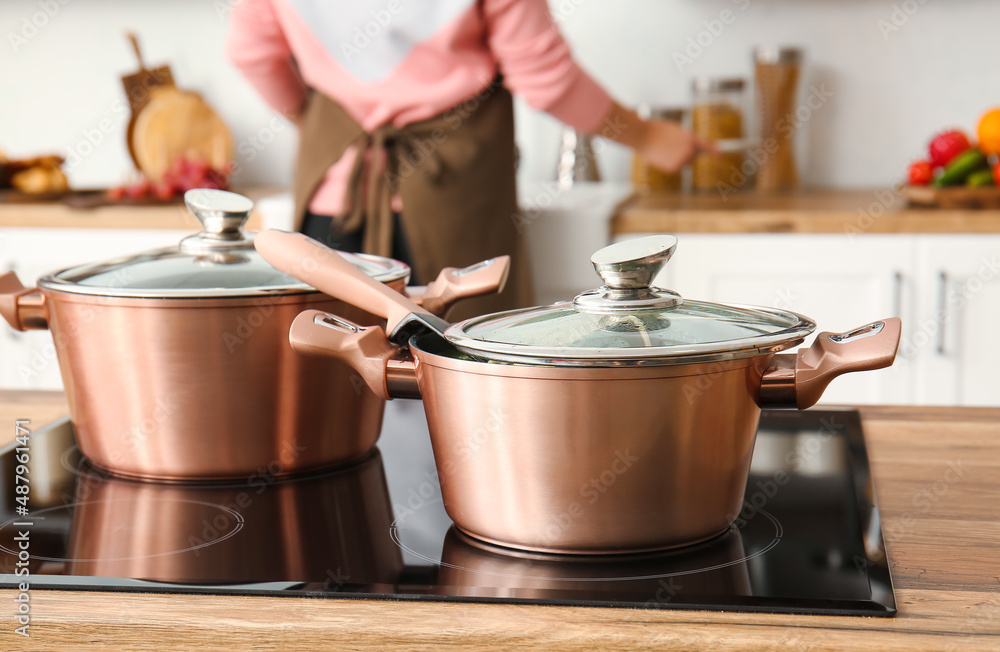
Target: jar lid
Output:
{"points": [[220, 261], [717, 84], [773, 54], [656, 112], [628, 321]]}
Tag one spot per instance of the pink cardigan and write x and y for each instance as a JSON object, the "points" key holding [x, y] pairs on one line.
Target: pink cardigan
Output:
{"points": [[402, 61]]}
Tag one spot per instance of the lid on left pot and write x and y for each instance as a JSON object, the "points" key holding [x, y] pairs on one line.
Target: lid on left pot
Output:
{"points": [[220, 261]]}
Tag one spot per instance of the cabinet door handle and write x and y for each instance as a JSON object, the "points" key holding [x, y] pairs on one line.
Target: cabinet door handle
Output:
{"points": [[942, 336], [897, 294]]}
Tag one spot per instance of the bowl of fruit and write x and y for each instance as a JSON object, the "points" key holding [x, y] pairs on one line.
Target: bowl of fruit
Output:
{"points": [[959, 173]]}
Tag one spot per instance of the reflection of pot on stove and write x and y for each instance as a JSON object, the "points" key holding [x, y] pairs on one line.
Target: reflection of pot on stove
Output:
{"points": [[474, 568], [328, 529]]}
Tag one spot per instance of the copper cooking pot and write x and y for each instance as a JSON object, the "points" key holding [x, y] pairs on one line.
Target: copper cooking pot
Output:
{"points": [[176, 361], [621, 421], [328, 528]]}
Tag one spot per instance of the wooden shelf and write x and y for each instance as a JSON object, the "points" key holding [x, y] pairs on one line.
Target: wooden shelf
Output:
{"points": [[56, 215], [800, 211]]}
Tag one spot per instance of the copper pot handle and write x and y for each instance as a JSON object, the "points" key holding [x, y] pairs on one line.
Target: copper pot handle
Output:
{"points": [[23, 308], [311, 262], [365, 348], [799, 380], [453, 284]]}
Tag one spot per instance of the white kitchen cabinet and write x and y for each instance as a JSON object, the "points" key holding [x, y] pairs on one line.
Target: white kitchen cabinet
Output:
{"points": [[945, 288], [955, 333], [838, 281], [27, 360]]}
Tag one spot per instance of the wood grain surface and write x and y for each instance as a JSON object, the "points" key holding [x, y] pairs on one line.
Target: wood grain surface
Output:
{"points": [[943, 554], [803, 211], [54, 214]]}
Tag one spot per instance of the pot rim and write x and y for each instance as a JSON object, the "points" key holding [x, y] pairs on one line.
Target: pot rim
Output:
{"points": [[677, 354], [300, 298], [429, 350], [52, 282]]}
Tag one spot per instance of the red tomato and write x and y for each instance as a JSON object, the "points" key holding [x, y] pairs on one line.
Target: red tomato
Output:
{"points": [[996, 174], [117, 193], [921, 173], [947, 145]]}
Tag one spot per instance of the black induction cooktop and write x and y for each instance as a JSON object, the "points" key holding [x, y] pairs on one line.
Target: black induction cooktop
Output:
{"points": [[808, 539]]}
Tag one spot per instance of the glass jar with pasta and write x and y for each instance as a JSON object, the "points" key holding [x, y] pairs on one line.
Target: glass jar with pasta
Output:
{"points": [[717, 116]]}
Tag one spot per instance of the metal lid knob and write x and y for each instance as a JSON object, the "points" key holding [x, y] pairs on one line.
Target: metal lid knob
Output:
{"points": [[634, 263], [628, 269], [222, 215]]}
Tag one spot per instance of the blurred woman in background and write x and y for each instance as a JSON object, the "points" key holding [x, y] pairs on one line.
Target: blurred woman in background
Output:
{"points": [[406, 143]]}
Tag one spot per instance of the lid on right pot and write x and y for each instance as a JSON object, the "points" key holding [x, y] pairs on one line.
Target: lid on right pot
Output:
{"points": [[629, 322]]}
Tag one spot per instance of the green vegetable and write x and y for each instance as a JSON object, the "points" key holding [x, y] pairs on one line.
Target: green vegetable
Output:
{"points": [[958, 171], [980, 178]]}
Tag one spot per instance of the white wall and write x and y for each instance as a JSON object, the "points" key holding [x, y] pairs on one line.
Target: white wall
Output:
{"points": [[891, 91]]}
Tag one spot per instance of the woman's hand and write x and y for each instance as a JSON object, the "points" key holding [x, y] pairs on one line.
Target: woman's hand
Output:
{"points": [[669, 146], [665, 144]]}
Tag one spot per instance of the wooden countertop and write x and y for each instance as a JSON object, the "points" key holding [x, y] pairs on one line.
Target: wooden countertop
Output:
{"points": [[801, 211], [943, 553], [53, 214]]}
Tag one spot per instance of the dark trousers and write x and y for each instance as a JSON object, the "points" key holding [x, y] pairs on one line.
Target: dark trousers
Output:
{"points": [[320, 227]]}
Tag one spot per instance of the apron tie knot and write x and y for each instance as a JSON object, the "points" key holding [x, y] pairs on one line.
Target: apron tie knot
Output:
{"points": [[384, 159]]}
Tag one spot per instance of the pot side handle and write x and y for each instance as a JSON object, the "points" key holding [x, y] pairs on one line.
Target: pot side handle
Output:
{"points": [[453, 284], [365, 349], [23, 308], [799, 380], [301, 257]]}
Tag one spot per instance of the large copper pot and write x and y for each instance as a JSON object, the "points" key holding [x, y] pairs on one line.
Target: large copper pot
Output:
{"points": [[185, 372], [623, 421]]}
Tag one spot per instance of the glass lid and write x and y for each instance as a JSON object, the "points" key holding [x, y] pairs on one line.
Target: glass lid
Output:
{"points": [[220, 261], [628, 321]]}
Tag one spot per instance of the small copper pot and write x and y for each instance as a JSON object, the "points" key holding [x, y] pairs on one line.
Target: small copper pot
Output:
{"points": [[592, 460], [623, 421], [176, 362]]}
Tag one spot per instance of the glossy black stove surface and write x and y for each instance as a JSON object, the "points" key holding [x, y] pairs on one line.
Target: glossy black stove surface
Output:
{"points": [[808, 539]]}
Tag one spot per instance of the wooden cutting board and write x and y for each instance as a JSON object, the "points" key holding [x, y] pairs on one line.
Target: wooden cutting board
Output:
{"points": [[177, 122], [138, 89]]}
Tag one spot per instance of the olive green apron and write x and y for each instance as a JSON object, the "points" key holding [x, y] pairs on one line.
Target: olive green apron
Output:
{"points": [[455, 173]]}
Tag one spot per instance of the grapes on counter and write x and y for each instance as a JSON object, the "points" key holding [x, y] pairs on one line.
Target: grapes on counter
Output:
{"points": [[183, 174]]}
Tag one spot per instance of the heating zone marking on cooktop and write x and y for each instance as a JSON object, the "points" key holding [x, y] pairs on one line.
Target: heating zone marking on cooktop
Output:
{"points": [[231, 525], [778, 533]]}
